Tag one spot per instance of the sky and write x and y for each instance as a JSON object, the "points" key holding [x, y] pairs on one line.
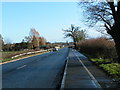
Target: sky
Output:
{"points": [[48, 18]]}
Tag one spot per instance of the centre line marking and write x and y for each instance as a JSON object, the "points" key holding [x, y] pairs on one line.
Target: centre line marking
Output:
{"points": [[21, 67]]}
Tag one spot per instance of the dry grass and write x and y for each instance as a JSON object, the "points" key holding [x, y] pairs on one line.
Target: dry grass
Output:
{"points": [[9, 54]]}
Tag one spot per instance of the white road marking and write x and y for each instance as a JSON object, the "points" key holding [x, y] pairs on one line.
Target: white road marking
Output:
{"points": [[64, 76], [97, 85], [21, 67]]}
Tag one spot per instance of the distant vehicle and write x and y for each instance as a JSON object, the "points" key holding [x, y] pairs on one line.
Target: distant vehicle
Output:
{"points": [[55, 49]]}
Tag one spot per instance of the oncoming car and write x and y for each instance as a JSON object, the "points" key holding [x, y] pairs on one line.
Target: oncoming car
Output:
{"points": [[55, 49]]}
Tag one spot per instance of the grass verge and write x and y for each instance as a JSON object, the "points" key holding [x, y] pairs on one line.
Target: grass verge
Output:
{"points": [[100, 61], [112, 69], [21, 57]]}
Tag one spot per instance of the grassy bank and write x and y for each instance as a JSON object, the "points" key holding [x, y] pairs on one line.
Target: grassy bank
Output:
{"points": [[112, 69], [7, 56]]}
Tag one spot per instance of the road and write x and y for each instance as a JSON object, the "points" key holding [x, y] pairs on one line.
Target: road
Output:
{"points": [[41, 71]]}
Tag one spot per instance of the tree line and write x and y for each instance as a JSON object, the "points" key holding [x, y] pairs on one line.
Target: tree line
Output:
{"points": [[33, 41]]}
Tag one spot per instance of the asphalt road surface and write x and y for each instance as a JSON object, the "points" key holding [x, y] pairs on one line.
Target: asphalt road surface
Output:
{"points": [[41, 71]]}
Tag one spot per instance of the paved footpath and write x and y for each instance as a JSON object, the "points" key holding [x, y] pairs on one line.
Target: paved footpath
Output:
{"points": [[80, 73]]}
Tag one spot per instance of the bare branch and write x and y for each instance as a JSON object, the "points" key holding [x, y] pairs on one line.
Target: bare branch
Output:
{"points": [[107, 28], [103, 32], [105, 21]]}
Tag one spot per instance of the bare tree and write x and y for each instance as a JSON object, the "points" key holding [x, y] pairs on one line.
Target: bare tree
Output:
{"points": [[75, 34], [42, 41], [107, 12], [28, 39], [33, 38], [34, 33], [35, 42]]}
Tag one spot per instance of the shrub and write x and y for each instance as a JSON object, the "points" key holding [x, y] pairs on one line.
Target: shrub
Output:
{"points": [[98, 48], [100, 61]]}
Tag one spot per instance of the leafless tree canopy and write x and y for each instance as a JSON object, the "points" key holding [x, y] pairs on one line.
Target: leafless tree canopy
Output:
{"points": [[107, 12], [104, 12], [75, 33]]}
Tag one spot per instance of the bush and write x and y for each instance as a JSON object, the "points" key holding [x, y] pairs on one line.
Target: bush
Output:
{"points": [[98, 48], [100, 61]]}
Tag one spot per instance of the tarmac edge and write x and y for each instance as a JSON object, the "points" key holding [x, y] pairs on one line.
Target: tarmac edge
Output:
{"points": [[64, 76]]}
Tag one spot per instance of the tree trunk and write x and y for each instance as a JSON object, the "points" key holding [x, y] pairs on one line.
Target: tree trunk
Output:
{"points": [[115, 33], [75, 45], [117, 46], [74, 41]]}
